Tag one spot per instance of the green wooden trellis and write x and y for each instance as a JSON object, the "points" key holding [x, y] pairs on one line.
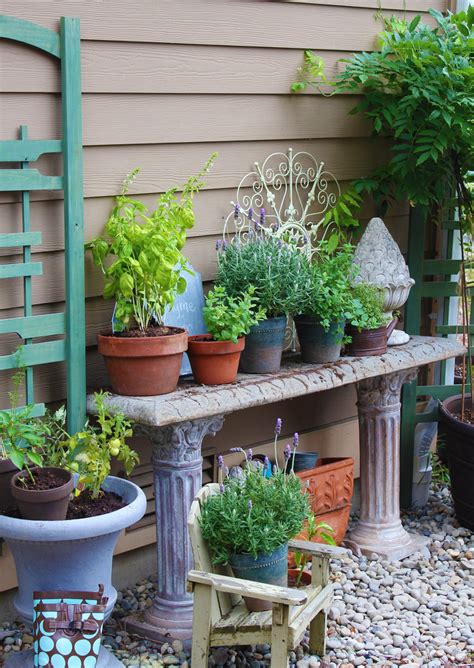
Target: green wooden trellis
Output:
{"points": [[64, 45], [444, 288]]}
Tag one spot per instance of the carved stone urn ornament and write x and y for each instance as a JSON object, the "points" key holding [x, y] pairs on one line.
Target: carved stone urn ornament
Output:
{"points": [[381, 263]]}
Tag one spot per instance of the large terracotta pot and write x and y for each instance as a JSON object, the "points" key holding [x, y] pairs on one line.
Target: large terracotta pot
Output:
{"points": [[330, 486], [214, 362], [141, 367]]}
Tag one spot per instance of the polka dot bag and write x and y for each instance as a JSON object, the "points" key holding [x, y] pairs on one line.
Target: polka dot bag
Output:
{"points": [[67, 628]]}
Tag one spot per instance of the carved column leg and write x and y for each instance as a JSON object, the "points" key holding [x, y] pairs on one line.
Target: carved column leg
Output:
{"points": [[379, 529], [177, 469]]}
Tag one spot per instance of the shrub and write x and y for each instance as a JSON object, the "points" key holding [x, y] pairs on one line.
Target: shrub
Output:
{"points": [[228, 318]]}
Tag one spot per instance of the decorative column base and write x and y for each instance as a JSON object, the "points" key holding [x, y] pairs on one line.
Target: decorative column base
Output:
{"points": [[177, 469], [379, 529]]}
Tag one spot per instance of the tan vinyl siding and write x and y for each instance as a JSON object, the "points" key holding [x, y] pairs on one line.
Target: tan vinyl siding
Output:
{"points": [[165, 83]]}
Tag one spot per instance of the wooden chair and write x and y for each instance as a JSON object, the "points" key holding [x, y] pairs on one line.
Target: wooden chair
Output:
{"points": [[221, 617]]}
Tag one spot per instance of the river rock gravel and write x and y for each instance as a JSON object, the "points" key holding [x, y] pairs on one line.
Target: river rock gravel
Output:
{"points": [[415, 613]]}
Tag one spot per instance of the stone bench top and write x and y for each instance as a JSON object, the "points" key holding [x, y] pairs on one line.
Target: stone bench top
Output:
{"points": [[295, 379]]}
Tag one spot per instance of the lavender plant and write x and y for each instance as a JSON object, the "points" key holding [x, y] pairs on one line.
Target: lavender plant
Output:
{"points": [[270, 264]]}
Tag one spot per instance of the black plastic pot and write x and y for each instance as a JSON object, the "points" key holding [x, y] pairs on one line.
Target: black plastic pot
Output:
{"points": [[459, 440], [304, 461], [264, 346], [319, 346], [7, 469]]}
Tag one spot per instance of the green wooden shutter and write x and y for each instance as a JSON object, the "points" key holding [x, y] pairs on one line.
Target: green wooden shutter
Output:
{"points": [[70, 326]]}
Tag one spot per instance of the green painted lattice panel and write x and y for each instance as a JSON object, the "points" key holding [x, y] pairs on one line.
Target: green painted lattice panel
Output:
{"points": [[70, 326], [443, 288]]}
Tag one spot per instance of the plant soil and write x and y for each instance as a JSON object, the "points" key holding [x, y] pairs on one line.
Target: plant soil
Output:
{"points": [[84, 505], [43, 479], [153, 330], [468, 416]]}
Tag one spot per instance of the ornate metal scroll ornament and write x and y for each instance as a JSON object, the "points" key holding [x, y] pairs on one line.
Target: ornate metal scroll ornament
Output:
{"points": [[295, 192]]}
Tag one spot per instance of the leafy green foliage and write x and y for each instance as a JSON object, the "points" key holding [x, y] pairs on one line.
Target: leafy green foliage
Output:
{"points": [[326, 286], [269, 264], [342, 216], [254, 515], [417, 90], [144, 276], [89, 452], [367, 307], [228, 318], [21, 435], [313, 529]]}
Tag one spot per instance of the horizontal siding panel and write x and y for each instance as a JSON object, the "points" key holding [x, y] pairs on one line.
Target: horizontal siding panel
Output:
{"points": [[228, 22], [116, 67], [401, 5], [175, 119], [211, 209]]}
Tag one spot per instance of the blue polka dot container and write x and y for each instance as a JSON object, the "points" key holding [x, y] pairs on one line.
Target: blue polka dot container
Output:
{"points": [[67, 628]]}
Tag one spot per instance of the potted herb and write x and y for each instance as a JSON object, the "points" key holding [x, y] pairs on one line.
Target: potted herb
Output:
{"points": [[76, 553], [273, 267], [215, 356], [324, 301], [143, 356], [248, 525], [368, 328]]}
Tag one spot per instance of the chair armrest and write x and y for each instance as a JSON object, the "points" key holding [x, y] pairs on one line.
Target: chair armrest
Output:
{"points": [[317, 549], [267, 592]]}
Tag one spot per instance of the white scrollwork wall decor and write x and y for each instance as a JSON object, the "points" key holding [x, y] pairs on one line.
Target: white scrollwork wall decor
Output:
{"points": [[288, 196]]}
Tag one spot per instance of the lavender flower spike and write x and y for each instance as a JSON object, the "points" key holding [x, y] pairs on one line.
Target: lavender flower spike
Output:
{"points": [[296, 439], [250, 214], [287, 452], [278, 424], [262, 217], [218, 244], [249, 454], [266, 462], [236, 211], [221, 488], [250, 504], [220, 461]]}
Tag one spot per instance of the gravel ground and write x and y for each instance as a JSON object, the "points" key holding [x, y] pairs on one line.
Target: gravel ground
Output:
{"points": [[418, 612]]}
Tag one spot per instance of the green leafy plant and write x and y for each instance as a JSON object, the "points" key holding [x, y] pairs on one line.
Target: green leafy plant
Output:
{"points": [[228, 318], [21, 435], [144, 276], [269, 264], [312, 530], [89, 452], [326, 285], [255, 514], [367, 307]]}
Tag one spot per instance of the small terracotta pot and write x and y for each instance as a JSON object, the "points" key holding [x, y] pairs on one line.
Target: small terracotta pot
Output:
{"points": [[369, 341], [7, 469], [214, 362], [141, 367], [43, 504], [293, 575]]}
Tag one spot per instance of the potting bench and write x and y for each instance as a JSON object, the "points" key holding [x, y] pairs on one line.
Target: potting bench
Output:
{"points": [[177, 423]]}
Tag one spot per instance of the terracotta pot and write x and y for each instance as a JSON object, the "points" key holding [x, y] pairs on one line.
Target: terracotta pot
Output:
{"points": [[458, 437], [141, 367], [7, 469], [330, 486], [293, 574], [43, 504], [368, 341], [214, 362]]}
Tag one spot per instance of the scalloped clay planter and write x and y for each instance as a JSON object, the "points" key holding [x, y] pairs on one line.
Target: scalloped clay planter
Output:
{"points": [[214, 362], [143, 366], [72, 555], [330, 486]]}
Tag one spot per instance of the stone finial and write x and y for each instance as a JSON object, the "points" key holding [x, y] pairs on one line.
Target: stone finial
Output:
{"points": [[381, 263]]}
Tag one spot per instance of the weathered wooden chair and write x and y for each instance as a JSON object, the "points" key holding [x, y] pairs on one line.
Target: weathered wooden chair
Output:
{"points": [[221, 617]]}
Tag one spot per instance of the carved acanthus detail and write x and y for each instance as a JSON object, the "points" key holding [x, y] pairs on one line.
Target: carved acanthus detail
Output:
{"points": [[180, 442], [383, 391]]}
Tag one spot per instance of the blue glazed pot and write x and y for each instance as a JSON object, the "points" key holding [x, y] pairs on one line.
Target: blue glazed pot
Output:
{"points": [[266, 568], [304, 461], [317, 345], [264, 346]]}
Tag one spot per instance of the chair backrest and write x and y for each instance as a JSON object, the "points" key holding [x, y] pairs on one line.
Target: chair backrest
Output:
{"points": [[221, 602]]}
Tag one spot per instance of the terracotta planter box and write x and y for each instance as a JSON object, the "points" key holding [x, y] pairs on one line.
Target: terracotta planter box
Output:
{"points": [[330, 485]]}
